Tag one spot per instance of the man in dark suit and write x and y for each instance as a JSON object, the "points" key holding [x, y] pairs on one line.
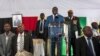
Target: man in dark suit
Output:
{"points": [[87, 45], [73, 27], [41, 31], [40, 28], [55, 19], [5, 40], [22, 41]]}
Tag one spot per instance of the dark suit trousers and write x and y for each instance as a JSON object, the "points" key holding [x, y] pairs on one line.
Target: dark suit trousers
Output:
{"points": [[72, 43], [56, 41]]}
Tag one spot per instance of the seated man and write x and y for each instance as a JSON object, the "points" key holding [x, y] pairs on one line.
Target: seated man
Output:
{"points": [[22, 41], [87, 45]]}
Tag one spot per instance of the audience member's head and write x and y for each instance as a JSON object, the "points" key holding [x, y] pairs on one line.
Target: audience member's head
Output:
{"points": [[55, 10], [42, 16], [87, 31], [7, 27], [20, 28], [70, 13], [94, 25]]}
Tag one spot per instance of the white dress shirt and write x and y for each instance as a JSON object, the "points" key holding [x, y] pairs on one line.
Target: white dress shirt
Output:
{"points": [[20, 40], [91, 44], [6, 38], [54, 16], [95, 32], [71, 17]]}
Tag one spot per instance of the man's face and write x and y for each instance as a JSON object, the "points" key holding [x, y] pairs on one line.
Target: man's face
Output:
{"points": [[70, 13], [88, 32], [7, 27], [42, 16], [20, 28], [55, 10], [95, 25]]}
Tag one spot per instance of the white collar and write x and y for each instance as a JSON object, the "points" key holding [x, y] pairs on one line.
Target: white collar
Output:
{"points": [[94, 29], [20, 34], [71, 17], [87, 37], [55, 15], [6, 34], [42, 20]]}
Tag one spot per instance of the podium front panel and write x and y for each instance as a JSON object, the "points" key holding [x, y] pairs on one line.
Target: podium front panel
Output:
{"points": [[55, 31]]}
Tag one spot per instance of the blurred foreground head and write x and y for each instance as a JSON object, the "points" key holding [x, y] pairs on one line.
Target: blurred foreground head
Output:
{"points": [[87, 31]]}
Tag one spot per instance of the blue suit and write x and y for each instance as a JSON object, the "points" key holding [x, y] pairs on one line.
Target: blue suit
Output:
{"points": [[58, 19], [54, 39]]}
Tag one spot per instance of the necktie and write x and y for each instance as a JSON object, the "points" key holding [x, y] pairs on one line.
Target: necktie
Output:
{"points": [[21, 42], [70, 18], [56, 19], [41, 26], [90, 48]]}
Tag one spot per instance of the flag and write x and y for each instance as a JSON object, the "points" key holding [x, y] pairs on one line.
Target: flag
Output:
{"points": [[29, 23], [83, 21], [63, 46]]}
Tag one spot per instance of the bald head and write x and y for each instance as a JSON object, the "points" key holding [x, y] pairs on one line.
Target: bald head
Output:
{"points": [[20, 28], [55, 10], [70, 13]]}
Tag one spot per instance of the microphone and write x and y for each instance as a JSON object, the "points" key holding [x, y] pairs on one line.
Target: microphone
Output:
{"points": [[56, 16]]}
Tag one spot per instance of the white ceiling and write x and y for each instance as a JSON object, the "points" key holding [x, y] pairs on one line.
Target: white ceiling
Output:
{"points": [[35, 7]]}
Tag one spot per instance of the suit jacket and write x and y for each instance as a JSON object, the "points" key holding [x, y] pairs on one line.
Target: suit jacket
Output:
{"points": [[58, 19], [5, 49], [28, 44], [44, 34], [71, 31], [82, 47]]}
